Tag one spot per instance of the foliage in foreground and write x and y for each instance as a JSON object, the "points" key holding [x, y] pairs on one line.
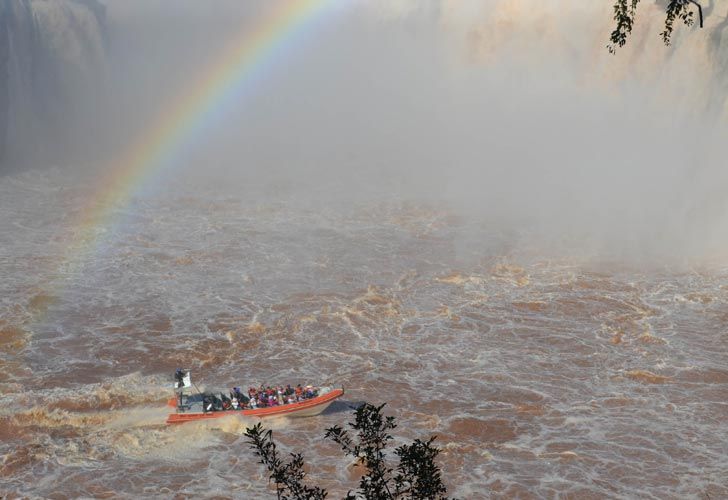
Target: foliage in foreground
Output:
{"points": [[626, 10], [416, 477]]}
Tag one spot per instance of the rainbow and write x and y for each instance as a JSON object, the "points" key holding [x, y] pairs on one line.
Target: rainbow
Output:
{"points": [[157, 144]]}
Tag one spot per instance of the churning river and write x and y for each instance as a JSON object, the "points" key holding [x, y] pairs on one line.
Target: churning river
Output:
{"points": [[542, 377]]}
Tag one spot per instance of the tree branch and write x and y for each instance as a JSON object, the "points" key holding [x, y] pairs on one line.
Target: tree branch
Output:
{"points": [[700, 11], [625, 12]]}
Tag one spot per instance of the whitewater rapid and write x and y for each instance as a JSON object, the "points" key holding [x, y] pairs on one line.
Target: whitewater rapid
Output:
{"points": [[542, 376]]}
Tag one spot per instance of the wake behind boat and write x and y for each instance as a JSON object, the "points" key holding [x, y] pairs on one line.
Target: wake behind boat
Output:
{"points": [[263, 402]]}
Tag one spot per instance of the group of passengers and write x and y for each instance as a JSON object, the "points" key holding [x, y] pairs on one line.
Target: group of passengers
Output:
{"points": [[263, 397], [267, 396]]}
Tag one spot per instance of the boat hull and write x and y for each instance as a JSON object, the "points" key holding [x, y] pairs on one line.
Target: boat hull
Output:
{"points": [[306, 408]]}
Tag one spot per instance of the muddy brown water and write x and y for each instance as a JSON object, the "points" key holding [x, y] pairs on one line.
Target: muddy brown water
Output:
{"points": [[541, 377]]}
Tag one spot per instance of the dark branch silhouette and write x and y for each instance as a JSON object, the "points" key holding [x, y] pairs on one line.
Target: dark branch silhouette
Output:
{"points": [[288, 476], [625, 12], [700, 12], [418, 477]]}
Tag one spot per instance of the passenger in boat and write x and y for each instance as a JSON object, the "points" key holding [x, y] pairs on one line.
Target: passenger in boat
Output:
{"points": [[238, 394], [226, 402], [253, 403], [299, 392], [279, 396], [242, 398], [207, 404]]}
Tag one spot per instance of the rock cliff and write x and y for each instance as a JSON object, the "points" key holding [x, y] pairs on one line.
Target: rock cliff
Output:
{"points": [[52, 55]]}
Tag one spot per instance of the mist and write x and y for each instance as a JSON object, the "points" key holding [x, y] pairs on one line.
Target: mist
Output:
{"points": [[467, 209], [510, 113]]}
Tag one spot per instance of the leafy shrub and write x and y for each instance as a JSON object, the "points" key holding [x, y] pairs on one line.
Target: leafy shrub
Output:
{"points": [[416, 476]]}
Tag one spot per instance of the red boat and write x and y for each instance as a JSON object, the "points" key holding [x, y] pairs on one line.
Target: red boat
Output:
{"points": [[192, 407]]}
